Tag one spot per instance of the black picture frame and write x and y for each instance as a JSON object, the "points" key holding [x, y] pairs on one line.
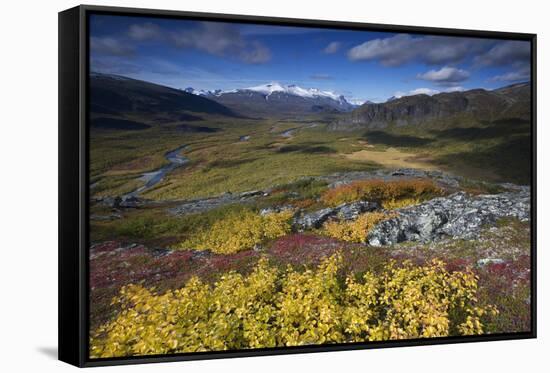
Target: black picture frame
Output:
{"points": [[73, 183]]}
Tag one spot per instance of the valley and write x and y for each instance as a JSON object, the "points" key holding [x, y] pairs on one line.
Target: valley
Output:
{"points": [[211, 182]]}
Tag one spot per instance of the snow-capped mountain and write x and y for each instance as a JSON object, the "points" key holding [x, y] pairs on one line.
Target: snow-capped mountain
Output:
{"points": [[202, 92], [293, 89], [359, 101], [276, 98]]}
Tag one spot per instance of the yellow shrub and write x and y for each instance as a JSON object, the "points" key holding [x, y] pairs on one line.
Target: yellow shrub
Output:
{"points": [[393, 204], [270, 308], [240, 231], [380, 190], [353, 231]]}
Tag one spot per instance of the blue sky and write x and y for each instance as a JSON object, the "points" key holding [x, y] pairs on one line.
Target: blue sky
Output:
{"points": [[361, 65]]}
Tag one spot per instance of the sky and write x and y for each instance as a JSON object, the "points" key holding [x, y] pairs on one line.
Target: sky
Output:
{"points": [[361, 65]]}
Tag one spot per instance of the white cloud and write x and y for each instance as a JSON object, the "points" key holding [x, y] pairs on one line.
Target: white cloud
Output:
{"points": [[221, 40], [258, 53], [445, 76], [144, 31], [332, 47], [511, 52], [417, 91], [424, 91], [456, 88], [389, 51], [403, 48], [359, 101], [110, 46], [522, 74], [427, 91]]}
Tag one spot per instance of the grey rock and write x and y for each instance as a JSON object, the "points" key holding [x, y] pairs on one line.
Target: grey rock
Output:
{"points": [[458, 216], [252, 193], [201, 254], [485, 261], [109, 217], [346, 211], [350, 211], [312, 219], [160, 252], [206, 204], [275, 209], [443, 179], [109, 201], [129, 202]]}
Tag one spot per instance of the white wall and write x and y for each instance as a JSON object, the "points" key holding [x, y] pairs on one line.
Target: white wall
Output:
{"points": [[28, 185]]}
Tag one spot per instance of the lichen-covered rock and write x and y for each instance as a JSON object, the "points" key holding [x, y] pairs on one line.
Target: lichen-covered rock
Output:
{"points": [[458, 215], [206, 204], [351, 211], [275, 209], [346, 211], [342, 178]]}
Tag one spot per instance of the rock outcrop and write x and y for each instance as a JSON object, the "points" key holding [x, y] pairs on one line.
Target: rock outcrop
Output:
{"points": [[347, 211], [206, 204], [441, 178], [459, 215]]}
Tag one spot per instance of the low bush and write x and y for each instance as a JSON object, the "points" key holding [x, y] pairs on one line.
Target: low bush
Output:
{"points": [[303, 203], [381, 191], [239, 231], [393, 204], [353, 231], [270, 308]]}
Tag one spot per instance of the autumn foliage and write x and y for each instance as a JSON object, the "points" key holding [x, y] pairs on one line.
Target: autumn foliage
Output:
{"points": [[240, 231], [353, 231], [382, 191], [273, 308]]}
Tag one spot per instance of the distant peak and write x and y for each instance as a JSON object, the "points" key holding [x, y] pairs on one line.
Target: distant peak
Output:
{"points": [[293, 89], [272, 87]]}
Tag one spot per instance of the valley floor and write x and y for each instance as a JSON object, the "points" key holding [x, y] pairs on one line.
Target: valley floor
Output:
{"points": [[295, 194]]}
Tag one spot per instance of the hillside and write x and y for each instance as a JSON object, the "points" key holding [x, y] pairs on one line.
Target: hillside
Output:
{"points": [[117, 95], [444, 109]]}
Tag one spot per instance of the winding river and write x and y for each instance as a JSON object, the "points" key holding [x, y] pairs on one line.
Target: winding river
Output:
{"points": [[154, 177]]}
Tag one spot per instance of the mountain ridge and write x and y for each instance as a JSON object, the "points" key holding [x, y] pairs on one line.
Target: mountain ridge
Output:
{"points": [[277, 99], [112, 94], [475, 105]]}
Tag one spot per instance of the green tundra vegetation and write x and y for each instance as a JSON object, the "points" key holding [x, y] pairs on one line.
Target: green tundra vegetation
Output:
{"points": [[220, 163]]}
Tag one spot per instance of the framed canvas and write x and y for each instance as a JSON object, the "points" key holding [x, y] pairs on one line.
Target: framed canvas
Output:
{"points": [[235, 186]]}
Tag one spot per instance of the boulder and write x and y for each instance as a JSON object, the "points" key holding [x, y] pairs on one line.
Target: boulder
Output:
{"points": [[130, 201], [459, 215], [206, 204], [275, 209], [347, 211]]}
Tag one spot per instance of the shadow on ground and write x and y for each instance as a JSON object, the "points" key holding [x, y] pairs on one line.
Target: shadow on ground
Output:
{"points": [[49, 351]]}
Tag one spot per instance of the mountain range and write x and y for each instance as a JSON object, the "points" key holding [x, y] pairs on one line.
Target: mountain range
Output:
{"points": [[275, 99], [443, 109], [115, 100]]}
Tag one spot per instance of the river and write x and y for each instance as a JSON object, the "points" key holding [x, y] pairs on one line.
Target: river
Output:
{"points": [[154, 177]]}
